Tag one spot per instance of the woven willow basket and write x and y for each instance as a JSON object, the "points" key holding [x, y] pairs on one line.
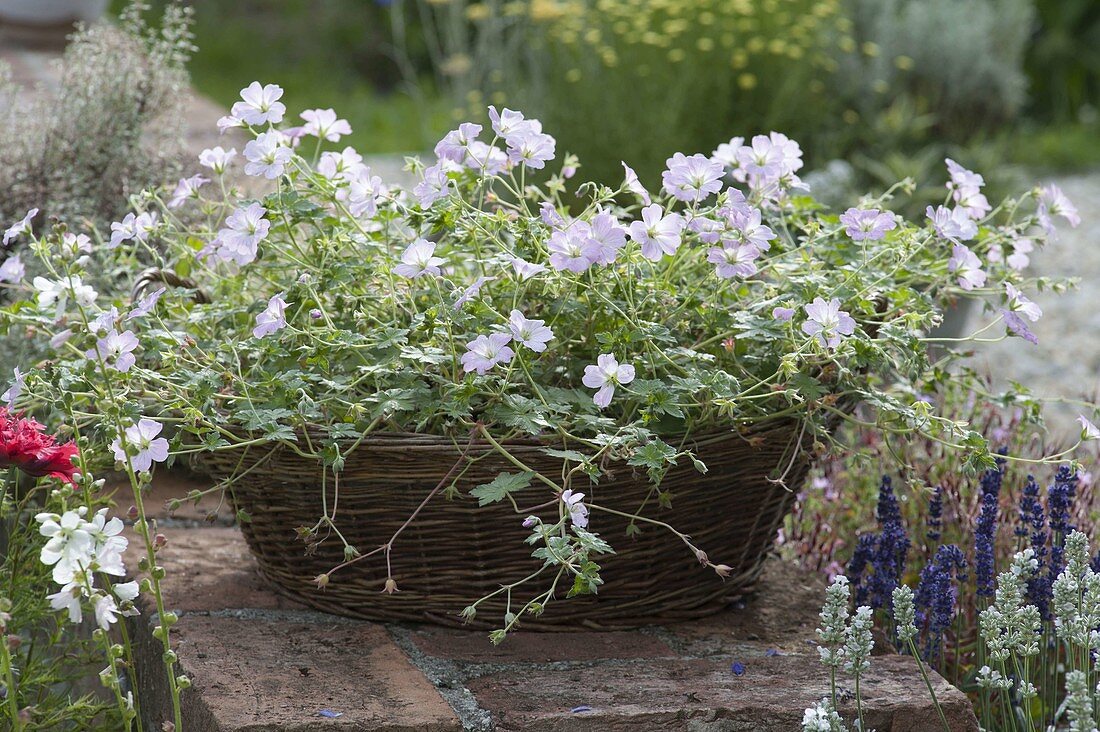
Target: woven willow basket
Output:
{"points": [[456, 552]]}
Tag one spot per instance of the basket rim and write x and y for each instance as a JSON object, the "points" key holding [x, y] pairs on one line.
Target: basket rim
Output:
{"points": [[426, 440]]}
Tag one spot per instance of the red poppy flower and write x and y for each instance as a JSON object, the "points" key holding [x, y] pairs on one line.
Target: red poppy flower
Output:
{"points": [[24, 445]]}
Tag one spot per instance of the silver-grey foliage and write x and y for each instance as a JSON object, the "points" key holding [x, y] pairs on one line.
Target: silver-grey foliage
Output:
{"points": [[113, 126]]}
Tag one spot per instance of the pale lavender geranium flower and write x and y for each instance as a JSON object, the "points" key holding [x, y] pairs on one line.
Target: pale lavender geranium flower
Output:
{"points": [[186, 188], [341, 165], [574, 504], [419, 259], [19, 227], [605, 238], [532, 149], [692, 179], [952, 224], [965, 186], [1018, 303], [526, 270], [604, 376], [726, 153], [485, 158], [362, 193], [485, 352], [146, 304], [12, 270], [782, 313], [456, 143], [863, 224], [657, 233], [267, 155], [734, 260], [132, 227], [1052, 202], [961, 177], [245, 229], [117, 350], [105, 322], [434, 186], [1019, 259], [550, 215], [531, 333], [15, 389], [827, 322], [569, 248], [272, 319], [142, 437], [324, 124], [471, 291], [259, 105], [967, 267], [632, 184], [509, 123], [217, 159], [746, 225], [1016, 326], [769, 158], [228, 122]]}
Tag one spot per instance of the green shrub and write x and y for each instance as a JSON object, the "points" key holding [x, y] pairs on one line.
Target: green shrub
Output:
{"points": [[1063, 60]]}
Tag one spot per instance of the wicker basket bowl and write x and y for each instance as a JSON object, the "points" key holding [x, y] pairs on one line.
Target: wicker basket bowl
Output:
{"points": [[456, 552]]}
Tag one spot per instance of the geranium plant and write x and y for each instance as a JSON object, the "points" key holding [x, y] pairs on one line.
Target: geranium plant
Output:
{"points": [[499, 298]]}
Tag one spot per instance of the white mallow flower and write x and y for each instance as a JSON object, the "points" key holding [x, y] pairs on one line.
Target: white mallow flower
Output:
{"points": [[105, 611], [69, 544], [216, 158], [57, 292], [324, 124], [69, 598], [260, 105], [143, 437], [605, 375], [267, 155]]}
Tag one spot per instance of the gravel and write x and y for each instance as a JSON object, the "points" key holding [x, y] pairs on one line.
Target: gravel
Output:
{"points": [[1066, 362]]}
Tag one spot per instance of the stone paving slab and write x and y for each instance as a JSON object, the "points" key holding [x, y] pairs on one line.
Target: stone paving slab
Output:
{"points": [[260, 661], [260, 674]]}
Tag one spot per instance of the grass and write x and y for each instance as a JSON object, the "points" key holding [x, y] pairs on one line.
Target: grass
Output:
{"points": [[330, 54]]}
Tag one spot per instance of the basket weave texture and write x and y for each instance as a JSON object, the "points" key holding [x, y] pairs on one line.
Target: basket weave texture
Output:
{"points": [[456, 552]]}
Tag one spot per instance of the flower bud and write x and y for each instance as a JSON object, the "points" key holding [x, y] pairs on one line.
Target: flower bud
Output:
{"points": [[321, 581], [159, 542], [391, 586], [315, 314], [723, 570]]}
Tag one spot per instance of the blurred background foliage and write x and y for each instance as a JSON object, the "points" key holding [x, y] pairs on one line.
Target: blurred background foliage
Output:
{"points": [[888, 86]]}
